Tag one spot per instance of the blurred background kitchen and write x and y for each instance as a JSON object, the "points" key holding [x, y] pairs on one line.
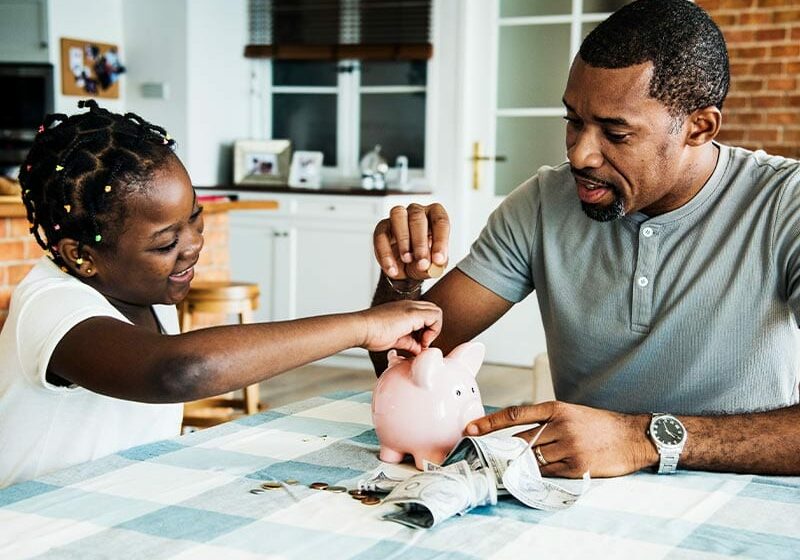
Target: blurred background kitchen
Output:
{"points": [[375, 102]]}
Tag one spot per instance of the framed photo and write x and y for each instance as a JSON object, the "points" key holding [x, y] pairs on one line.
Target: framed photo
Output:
{"points": [[306, 171], [261, 162]]}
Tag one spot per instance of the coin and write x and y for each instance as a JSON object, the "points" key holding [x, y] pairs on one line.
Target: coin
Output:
{"points": [[318, 485], [371, 500], [336, 489], [358, 493], [291, 481], [257, 491], [359, 497], [271, 485]]}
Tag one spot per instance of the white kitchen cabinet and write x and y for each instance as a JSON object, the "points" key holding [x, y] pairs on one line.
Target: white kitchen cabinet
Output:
{"points": [[311, 256]]}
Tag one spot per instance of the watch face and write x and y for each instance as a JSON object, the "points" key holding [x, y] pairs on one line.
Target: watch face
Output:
{"points": [[668, 431]]}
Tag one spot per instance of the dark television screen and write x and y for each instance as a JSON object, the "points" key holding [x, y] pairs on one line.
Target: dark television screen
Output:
{"points": [[26, 95]]}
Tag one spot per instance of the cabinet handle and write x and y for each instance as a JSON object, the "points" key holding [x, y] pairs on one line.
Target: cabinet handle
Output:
{"points": [[331, 208]]}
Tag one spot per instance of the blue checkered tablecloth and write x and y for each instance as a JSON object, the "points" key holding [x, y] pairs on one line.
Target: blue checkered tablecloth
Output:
{"points": [[189, 498]]}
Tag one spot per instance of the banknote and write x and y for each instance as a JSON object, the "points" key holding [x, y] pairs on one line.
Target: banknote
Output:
{"points": [[430, 497], [523, 480]]}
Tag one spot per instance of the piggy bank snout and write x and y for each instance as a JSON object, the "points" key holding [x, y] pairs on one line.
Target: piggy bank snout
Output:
{"points": [[471, 411]]}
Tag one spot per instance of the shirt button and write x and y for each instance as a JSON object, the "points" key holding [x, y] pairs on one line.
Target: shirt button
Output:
{"points": [[647, 232], [642, 281]]}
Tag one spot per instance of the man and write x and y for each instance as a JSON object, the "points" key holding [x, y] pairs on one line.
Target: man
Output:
{"points": [[666, 266]]}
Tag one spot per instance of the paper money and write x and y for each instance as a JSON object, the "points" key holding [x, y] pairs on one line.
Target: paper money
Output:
{"points": [[523, 480], [428, 498], [379, 481], [474, 473]]}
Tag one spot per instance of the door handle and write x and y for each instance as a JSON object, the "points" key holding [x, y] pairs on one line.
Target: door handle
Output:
{"points": [[476, 158]]}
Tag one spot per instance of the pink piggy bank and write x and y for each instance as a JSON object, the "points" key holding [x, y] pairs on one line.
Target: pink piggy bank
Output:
{"points": [[421, 405]]}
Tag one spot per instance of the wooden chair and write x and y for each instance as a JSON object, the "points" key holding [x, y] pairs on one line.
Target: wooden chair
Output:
{"points": [[229, 298]]}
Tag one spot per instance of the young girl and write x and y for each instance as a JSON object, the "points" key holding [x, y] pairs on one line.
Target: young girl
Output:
{"points": [[85, 366]]}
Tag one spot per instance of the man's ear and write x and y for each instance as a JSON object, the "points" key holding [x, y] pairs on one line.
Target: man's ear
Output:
{"points": [[79, 258], [703, 126]]}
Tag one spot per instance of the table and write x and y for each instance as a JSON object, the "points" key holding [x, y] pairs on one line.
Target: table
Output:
{"points": [[189, 497]]}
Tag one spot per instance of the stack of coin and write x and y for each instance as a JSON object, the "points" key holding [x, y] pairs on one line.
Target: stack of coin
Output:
{"points": [[366, 498]]}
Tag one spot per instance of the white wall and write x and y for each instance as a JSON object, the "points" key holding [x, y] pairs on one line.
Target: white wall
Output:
{"points": [[84, 19], [219, 82], [156, 52], [194, 47]]}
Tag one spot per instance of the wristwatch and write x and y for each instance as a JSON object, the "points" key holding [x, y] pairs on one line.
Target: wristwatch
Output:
{"points": [[669, 436]]}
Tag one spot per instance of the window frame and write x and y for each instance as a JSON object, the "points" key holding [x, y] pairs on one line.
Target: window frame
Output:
{"points": [[348, 114]]}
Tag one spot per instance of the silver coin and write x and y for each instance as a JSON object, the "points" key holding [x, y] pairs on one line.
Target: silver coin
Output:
{"points": [[257, 491], [291, 481], [336, 489], [271, 485]]}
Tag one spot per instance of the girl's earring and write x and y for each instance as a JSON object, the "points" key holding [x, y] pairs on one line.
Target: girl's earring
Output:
{"points": [[89, 270], [79, 261]]}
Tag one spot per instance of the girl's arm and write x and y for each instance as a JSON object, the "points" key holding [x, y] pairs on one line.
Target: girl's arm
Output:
{"points": [[120, 360]]}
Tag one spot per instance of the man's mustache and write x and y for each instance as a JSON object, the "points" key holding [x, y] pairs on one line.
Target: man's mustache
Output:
{"points": [[591, 179]]}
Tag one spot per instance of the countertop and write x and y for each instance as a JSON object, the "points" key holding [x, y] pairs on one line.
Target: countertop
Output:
{"points": [[331, 190], [11, 206]]}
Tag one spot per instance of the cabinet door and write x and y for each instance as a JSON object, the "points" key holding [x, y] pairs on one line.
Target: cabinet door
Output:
{"points": [[334, 266], [260, 252], [23, 31]]}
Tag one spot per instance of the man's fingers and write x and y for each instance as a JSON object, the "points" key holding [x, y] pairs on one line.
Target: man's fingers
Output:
{"points": [[440, 232], [420, 234], [384, 250], [511, 416], [398, 217]]}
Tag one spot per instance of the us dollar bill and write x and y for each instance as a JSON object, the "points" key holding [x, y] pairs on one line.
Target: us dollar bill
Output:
{"points": [[430, 497], [523, 480], [516, 470]]}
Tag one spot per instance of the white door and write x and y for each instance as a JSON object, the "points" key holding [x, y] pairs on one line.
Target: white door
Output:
{"points": [[515, 60]]}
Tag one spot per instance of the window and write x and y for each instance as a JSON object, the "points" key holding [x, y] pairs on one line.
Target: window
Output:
{"points": [[343, 97], [345, 108], [544, 37]]}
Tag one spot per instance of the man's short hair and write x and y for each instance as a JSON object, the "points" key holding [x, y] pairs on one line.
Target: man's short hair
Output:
{"points": [[686, 47]]}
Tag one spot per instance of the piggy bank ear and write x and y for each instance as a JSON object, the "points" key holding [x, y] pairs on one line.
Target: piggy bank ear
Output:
{"points": [[394, 358], [426, 366], [470, 354]]}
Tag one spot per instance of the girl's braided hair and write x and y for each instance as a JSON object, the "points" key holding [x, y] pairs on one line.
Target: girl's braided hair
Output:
{"points": [[81, 169]]}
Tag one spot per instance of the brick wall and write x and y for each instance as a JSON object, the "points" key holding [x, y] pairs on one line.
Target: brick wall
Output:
{"points": [[763, 107], [19, 252]]}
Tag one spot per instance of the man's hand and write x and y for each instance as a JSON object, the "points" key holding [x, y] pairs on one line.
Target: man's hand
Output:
{"points": [[405, 325], [412, 239], [579, 438]]}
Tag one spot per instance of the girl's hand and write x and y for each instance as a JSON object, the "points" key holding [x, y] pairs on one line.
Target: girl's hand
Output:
{"points": [[403, 325]]}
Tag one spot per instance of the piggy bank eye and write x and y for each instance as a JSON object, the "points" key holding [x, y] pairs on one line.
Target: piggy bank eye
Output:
{"points": [[458, 392], [473, 390]]}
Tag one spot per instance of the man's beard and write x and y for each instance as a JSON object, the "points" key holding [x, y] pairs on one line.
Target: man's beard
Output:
{"points": [[597, 212], [613, 211]]}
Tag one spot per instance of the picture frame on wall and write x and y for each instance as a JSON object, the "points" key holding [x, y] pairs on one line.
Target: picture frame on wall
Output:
{"points": [[90, 68], [306, 170], [261, 162]]}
